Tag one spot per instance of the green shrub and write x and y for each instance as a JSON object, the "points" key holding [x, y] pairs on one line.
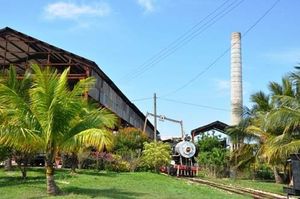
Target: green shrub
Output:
{"points": [[155, 155], [264, 172], [213, 157], [117, 164], [128, 144]]}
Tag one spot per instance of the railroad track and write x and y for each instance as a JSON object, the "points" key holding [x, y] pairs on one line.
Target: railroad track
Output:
{"points": [[238, 190]]}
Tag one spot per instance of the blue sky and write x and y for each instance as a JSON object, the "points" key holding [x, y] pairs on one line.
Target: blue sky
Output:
{"points": [[121, 35]]}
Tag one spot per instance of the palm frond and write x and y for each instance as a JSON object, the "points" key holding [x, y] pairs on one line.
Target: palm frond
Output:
{"points": [[275, 88], [261, 101], [98, 138], [284, 118]]}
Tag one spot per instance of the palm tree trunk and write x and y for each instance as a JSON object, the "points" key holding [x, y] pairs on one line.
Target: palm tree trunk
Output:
{"points": [[74, 161], [277, 177], [52, 188], [23, 169], [24, 173], [8, 164], [22, 162]]}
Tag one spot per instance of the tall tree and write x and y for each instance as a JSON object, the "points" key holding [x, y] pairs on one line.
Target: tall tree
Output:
{"points": [[274, 121], [52, 117]]}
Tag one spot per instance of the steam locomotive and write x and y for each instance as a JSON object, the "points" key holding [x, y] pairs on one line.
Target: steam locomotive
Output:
{"points": [[183, 158]]}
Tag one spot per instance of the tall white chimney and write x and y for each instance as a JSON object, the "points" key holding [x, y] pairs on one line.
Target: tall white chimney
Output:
{"points": [[236, 79]]}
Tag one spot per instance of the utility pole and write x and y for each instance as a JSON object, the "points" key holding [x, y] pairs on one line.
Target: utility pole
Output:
{"points": [[155, 119]]}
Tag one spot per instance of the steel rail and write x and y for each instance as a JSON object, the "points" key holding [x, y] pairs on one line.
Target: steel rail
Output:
{"points": [[238, 190]]}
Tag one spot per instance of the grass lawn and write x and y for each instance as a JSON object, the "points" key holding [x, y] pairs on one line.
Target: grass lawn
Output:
{"points": [[254, 184], [90, 184]]}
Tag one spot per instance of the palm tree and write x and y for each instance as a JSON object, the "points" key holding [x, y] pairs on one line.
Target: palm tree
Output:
{"points": [[270, 123], [51, 117], [91, 117], [287, 118], [20, 87], [242, 153]]}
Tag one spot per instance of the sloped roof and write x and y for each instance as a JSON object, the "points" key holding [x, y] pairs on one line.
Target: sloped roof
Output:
{"points": [[217, 125], [17, 48]]}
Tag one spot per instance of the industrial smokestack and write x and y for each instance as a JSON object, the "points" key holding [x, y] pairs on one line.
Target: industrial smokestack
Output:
{"points": [[236, 79]]}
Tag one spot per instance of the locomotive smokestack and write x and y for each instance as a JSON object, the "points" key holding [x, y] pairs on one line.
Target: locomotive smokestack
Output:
{"points": [[236, 79]]}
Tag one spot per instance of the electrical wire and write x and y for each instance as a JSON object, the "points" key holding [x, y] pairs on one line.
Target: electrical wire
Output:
{"points": [[192, 104], [217, 59], [142, 99], [224, 52], [183, 39]]}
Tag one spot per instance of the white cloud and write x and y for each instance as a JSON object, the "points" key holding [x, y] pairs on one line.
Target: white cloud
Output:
{"points": [[68, 10], [147, 5]]}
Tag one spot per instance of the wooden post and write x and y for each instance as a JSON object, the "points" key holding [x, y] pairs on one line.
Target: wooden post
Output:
{"points": [[26, 63], [145, 123], [3, 68], [48, 58], [87, 73], [155, 119], [70, 61], [193, 136]]}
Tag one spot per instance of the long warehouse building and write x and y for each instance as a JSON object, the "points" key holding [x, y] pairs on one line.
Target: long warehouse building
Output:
{"points": [[21, 50]]}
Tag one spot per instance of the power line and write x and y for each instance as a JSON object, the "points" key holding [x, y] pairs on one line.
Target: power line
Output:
{"points": [[182, 102], [184, 38], [142, 99], [224, 52], [219, 57], [199, 74], [192, 104], [261, 18]]}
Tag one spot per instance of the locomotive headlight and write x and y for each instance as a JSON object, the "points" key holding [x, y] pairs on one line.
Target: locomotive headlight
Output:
{"points": [[188, 149]]}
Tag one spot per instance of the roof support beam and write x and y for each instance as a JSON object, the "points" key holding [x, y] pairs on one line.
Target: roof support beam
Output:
{"points": [[7, 51]]}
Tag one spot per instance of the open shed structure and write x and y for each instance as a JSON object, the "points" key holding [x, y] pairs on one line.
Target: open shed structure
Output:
{"points": [[22, 50], [217, 125]]}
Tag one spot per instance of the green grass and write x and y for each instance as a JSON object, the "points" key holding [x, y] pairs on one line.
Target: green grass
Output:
{"points": [[254, 184], [90, 184]]}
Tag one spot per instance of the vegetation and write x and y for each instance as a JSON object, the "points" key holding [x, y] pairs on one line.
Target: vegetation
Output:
{"points": [[274, 121], [91, 184], [212, 157], [155, 155], [128, 146], [4, 153], [40, 113]]}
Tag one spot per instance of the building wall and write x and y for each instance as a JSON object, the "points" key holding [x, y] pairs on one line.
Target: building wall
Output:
{"points": [[104, 93]]}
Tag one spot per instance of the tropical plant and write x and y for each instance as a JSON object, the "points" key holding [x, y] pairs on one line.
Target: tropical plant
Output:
{"points": [[213, 156], [155, 155], [49, 117], [129, 139], [274, 120], [129, 145]]}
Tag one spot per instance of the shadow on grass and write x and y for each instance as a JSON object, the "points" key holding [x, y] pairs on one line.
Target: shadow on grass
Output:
{"points": [[97, 173], [108, 193], [14, 181], [67, 171]]}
